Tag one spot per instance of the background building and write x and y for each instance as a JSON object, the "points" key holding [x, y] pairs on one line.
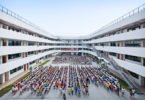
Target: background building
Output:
{"points": [[120, 45]]}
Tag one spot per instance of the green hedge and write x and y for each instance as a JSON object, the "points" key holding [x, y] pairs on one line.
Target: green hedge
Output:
{"points": [[45, 62], [5, 90], [123, 83]]}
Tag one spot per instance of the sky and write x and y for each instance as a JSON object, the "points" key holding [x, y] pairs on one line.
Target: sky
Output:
{"points": [[71, 17]]}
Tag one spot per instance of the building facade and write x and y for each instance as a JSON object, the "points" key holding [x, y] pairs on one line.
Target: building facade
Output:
{"points": [[120, 45]]}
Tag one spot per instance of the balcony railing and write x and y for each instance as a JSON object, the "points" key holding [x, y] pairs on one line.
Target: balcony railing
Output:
{"points": [[18, 17], [127, 15]]}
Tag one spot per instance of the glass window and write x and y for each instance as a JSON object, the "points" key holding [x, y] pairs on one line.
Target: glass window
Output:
{"points": [[112, 44], [13, 56], [133, 74], [31, 43], [14, 43], [16, 69], [32, 62], [112, 53], [134, 58], [133, 43], [31, 52]]}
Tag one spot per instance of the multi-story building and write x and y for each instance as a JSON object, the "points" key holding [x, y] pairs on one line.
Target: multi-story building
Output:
{"points": [[120, 45]]}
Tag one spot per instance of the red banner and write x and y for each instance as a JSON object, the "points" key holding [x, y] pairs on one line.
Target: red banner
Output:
{"points": [[70, 50]]}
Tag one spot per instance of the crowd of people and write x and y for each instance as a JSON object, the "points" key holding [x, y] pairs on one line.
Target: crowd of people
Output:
{"points": [[68, 80], [75, 60], [38, 82]]}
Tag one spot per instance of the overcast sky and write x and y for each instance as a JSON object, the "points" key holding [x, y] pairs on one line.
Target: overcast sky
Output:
{"points": [[71, 17]]}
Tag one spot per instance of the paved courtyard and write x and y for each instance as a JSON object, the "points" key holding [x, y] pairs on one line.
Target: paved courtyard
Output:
{"points": [[96, 93]]}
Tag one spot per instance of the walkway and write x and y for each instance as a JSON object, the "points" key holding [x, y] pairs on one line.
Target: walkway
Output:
{"points": [[21, 75], [96, 93]]}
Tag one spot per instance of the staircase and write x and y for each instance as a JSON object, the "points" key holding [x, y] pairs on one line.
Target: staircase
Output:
{"points": [[124, 74]]}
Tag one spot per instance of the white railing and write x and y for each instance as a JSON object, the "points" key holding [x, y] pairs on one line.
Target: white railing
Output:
{"points": [[18, 17], [127, 15]]}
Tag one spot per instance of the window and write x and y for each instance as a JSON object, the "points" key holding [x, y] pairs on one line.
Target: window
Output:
{"points": [[112, 54], [133, 74], [16, 69], [13, 56], [31, 52], [31, 43], [134, 58], [133, 43], [112, 44], [101, 44], [32, 62], [14, 43]]}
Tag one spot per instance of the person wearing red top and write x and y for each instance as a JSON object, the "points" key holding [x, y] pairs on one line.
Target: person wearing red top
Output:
{"points": [[64, 85], [18, 85], [56, 84]]}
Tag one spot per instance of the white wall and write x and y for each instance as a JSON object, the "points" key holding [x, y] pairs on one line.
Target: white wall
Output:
{"points": [[5, 50], [138, 69], [9, 34], [136, 17], [19, 62], [19, 23], [134, 51], [132, 35]]}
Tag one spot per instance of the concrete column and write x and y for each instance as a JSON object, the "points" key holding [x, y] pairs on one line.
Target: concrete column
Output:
{"points": [[2, 78], [144, 81], [6, 76], [144, 77], [143, 25], [141, 80], [82, 54], [37, 61], [1, 42], [23, 43], [118, 56], [121, 44], [0, 59], [107, 54], [7, 58], [26, 54], [25, 67], [143, 43], [5, 42], [5, 27], [144, 62], [22, 55], [143, 58], [4, 59], [1, 25], [125, 30]]}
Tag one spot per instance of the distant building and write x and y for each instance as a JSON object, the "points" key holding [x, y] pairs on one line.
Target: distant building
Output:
{"points": [[121, 45]]}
